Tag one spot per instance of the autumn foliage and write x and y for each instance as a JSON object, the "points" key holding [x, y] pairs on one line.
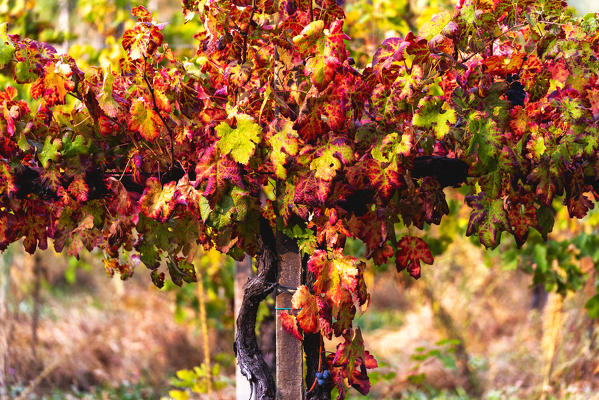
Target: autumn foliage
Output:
{"points": [[157, 156]]}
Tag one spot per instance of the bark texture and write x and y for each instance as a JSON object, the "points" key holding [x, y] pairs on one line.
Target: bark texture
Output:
{"points": [[314, 359], [250, 359], [315, 355]]}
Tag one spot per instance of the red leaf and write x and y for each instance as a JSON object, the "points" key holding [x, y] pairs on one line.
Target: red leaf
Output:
{"points": [[78, 189], [579, 206], [157, 201], [384, 179], [54, 84], [305, 301], [311, 191], [352, 356], [142, 40], [410, 252], [142, 14], [325, 317], [7, 182], [289, 324], [338, 277], [521, 215]]}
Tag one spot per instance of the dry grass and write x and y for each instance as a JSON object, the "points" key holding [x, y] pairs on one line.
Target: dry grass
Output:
{"points": [[99, 331], [515, 348]]}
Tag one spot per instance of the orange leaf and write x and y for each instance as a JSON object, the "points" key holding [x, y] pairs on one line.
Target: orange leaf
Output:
{"points": [[289, 324], [144, 120], [157, 201], [305, 301]]}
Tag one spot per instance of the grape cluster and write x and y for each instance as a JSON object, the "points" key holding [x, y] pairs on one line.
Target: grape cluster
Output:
{"points": [[322, 377], [515, 94]]}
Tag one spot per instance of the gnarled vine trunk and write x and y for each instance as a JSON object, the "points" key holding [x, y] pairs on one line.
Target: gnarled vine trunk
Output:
{"points": [[257, 288]]}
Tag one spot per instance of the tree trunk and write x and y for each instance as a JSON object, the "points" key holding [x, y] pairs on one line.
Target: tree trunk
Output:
{"points": [[289, 349], [249, 358], [243, 271]]}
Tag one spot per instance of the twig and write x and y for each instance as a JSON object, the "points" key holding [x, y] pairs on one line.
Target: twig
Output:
{"points": [[246, 33], [155, 106]]}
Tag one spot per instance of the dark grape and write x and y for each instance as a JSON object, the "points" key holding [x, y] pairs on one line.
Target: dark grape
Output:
{"points": [[290, 7], [516, 93], [321, 377]]}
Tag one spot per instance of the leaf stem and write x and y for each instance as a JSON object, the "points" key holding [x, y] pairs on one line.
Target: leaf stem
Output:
{"points": [[246, 33]]}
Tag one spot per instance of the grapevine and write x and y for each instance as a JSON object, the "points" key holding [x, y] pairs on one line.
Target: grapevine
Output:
{"points": [[157, 157]]}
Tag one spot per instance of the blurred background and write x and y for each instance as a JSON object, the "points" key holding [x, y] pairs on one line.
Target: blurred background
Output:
{"points": [[506, 324]]}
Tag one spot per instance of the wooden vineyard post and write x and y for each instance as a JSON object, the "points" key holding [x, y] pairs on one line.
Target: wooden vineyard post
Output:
{"points": [[289, 349], [243, 270]]}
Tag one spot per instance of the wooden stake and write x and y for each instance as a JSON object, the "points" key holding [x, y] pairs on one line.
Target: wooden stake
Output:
{"points": [[289, 349]]}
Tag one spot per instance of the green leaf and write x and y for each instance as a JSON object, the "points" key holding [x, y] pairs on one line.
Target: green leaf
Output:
{"points": [[545, 220], [50, 151], [592, 306], [329, 161], [391, 146], [435, 25], [6, 48], [222, 214], [181, 271], [148, 253], [434, 114], [240, 142], [468, 12], [488, 219], [283, 143], [309, 36], [105, 99], [540, 257], [484, 140], [447, 361], [24, 72], [73, 144], [205, 209]]}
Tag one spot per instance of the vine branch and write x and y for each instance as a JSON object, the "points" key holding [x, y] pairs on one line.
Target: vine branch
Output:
{"points": [[157, 111]]}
